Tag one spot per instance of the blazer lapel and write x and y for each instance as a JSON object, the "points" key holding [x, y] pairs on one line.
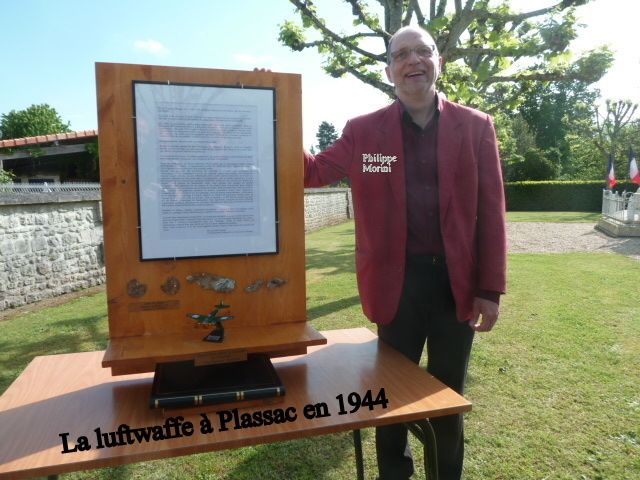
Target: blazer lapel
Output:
{"points": [[449, 142], [390, 142]]}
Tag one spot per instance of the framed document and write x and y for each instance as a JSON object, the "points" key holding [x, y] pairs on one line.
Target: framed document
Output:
{"points": [[206, 170], [202, 206]]}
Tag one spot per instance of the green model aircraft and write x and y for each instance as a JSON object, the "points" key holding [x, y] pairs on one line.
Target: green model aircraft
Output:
{"points": [[217, 334]]}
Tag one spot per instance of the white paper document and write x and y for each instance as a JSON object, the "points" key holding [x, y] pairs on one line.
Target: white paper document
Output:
{"points": [[206, 170]]}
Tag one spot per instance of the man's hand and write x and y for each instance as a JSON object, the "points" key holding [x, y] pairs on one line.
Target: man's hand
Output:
{"points": [[489, 311]]}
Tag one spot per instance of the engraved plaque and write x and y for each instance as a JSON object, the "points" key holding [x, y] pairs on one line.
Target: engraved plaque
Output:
{"points": [[227, 356]]}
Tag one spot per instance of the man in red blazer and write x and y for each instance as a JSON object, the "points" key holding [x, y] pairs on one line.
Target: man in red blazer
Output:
{"points": [[430, 230]]}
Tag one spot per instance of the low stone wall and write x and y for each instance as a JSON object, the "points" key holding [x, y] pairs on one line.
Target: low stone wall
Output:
{"points": [[326, 206], [50, 244]]}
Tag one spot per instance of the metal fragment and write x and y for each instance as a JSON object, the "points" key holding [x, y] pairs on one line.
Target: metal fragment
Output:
{"points": [[254, 287], [171, 286], [209, 281], [276, 282], [136, 289]]}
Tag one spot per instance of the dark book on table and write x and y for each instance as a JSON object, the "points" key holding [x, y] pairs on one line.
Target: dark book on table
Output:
{"points": [[182, 384]]}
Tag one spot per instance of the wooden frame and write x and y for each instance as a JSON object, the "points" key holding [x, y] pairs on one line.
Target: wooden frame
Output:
{"points": [[154, 326]]}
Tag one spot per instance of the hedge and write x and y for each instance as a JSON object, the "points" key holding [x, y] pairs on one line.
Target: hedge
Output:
{"points": [[559, 196]]}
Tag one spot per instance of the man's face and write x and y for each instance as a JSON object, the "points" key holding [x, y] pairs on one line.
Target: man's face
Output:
{"points": [[414, 64]]}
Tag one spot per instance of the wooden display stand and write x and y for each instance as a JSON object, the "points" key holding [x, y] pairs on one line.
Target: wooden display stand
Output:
{"points": [[148, 324]]}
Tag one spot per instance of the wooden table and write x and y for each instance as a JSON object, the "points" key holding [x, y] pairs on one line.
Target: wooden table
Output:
{"points": [[73, 394]]}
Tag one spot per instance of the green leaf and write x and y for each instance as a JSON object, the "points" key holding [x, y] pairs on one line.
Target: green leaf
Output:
{"points": [[35, 120], [437, 24]]}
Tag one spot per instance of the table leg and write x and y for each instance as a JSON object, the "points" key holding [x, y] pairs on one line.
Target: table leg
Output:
{"points": [[357, 443], [423, 430]]}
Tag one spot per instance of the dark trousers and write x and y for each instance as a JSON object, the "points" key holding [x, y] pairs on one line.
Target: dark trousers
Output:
{"points": [[427, 314]]}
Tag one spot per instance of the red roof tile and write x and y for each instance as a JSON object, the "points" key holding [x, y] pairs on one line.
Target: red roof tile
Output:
{"points": [[19, 142]]}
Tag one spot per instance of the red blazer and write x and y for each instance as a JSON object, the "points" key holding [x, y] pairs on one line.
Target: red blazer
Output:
{"points": [[472, 207]]}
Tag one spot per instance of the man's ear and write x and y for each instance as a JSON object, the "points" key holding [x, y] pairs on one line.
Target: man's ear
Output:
{"points": [[387, 70], [440, 64]]}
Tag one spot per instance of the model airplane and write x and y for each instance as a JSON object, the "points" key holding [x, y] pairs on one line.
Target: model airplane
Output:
{"points": [[217, 334]]}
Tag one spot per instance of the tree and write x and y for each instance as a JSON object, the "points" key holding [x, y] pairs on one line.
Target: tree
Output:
{"points": [[35, 120], [609, 130], [536, 166], [611, 123], [521, 157], [492, 54], [326, 135], [587, 163], [5, 176], [554, 111]]}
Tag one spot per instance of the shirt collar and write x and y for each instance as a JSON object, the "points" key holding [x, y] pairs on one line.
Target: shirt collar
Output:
{"points": [[406, 118]]}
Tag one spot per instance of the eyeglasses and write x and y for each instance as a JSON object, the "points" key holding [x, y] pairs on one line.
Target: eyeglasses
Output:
{"points": [[423, 52]]}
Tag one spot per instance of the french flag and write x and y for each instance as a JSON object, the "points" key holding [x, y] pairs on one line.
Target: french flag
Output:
{"points": [[611, 176], [633, 167]]}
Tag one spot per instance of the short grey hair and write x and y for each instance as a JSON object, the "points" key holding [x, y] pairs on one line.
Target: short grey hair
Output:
{"points": [[413, 28]]}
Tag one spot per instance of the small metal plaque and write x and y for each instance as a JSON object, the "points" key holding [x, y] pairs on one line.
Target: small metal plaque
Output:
{"points": [[227, 356], [150, 306]]}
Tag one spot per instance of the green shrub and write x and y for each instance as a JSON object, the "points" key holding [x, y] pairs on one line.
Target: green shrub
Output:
{"points": [[559, 196], [534, 165]]}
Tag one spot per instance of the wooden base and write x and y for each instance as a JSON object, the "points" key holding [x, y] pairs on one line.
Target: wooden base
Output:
{"points": [[127, 355]]}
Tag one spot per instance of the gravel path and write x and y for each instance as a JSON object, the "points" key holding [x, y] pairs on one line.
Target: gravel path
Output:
{"points": [[538, 237]]}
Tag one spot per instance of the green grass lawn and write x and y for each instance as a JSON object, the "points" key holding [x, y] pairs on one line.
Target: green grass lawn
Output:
{"points": [[564, 217], [554, 387]]}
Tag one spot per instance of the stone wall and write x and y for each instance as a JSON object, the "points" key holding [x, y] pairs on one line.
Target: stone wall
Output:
{"points": [[50, 243], [326, 206]]}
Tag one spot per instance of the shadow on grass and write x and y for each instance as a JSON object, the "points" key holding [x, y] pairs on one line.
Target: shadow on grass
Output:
{"points": [[63, 336], [332, 307], [334, 262], [308, 458], [311, 458]]}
